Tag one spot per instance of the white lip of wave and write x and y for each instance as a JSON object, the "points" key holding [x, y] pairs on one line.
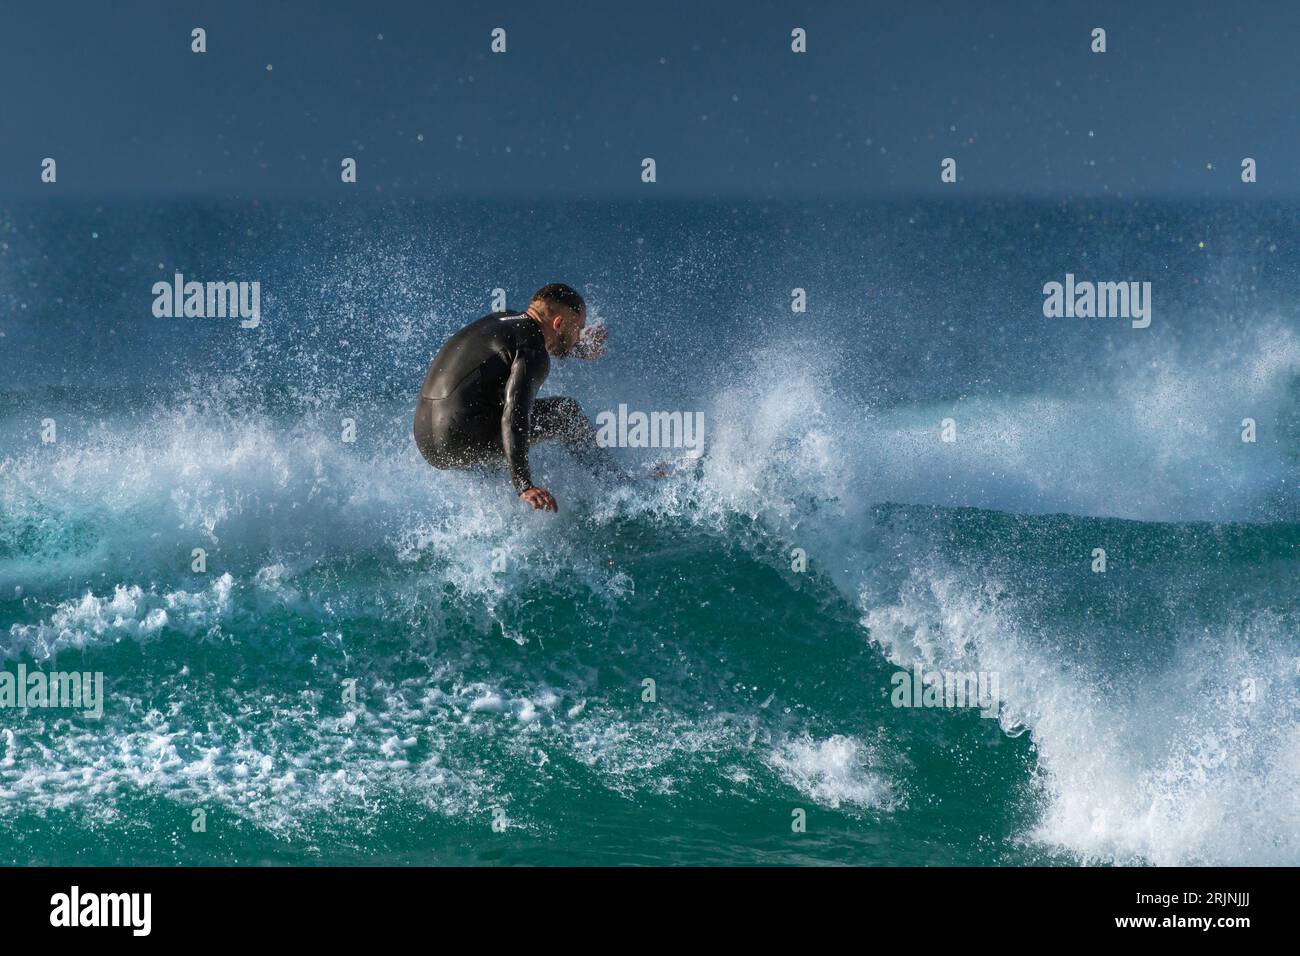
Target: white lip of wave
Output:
{"points": [[187, 478], [1189, 771], [1159, 773], [1157, 444]]}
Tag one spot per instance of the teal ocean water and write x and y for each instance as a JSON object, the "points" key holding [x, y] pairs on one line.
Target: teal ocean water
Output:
{"points": [[499, 658]]}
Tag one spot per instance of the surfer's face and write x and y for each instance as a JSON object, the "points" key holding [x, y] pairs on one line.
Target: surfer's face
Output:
{"points": [[568, 326]]}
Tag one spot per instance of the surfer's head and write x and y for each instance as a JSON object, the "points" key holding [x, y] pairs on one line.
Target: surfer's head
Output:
{"points": [[562, 313]]}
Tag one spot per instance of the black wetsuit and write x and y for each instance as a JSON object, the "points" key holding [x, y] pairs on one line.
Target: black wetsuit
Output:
{"points": [[479, 405]]}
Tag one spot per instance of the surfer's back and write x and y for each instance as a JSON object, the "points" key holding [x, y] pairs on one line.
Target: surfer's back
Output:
{"points": [[487, 347]]}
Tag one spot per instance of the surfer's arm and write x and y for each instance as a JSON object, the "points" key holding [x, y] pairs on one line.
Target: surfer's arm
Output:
{"points": [[521, 386]]}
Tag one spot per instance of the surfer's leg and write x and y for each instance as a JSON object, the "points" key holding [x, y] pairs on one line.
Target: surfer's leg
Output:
{"points": [[562, 419]]}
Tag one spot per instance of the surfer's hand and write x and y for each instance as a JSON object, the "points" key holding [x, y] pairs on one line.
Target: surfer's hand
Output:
{"points": [[540, 499], [592, 343]]}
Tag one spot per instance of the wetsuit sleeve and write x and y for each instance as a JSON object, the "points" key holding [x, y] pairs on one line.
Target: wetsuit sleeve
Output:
{"points": [[526, 374]]}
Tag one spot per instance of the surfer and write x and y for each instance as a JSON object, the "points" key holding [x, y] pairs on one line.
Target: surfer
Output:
{"points": [[479, 406]]}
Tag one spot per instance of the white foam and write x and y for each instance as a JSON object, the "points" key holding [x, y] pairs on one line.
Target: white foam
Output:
{"points": [[129, 611], [836, 771]]}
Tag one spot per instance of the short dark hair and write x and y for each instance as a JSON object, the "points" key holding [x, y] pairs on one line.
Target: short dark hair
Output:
{"points": [[557, 293]]}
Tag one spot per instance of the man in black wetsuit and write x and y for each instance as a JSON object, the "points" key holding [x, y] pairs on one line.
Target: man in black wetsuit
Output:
{"points": [[479, 405]]}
